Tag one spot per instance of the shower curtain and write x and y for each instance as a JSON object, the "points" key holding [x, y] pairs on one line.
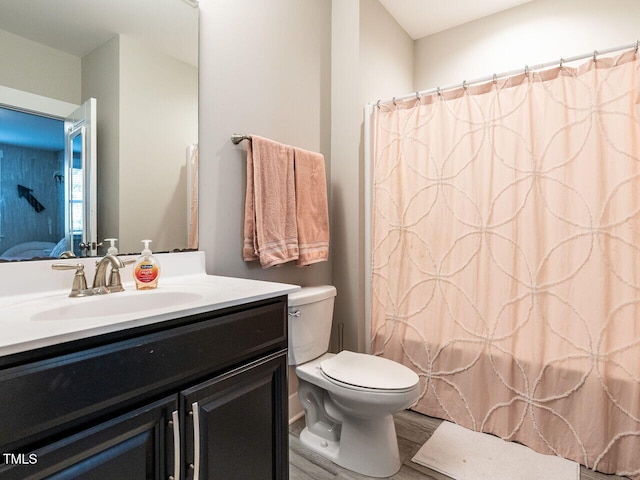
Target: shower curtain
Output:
{"points": [[505, 256]]}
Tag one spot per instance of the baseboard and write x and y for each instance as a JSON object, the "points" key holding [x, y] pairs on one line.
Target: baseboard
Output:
{"points": [[295, 408]]}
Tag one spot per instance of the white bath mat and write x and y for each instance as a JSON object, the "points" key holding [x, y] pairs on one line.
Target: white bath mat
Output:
{"points": [[467, 455]]}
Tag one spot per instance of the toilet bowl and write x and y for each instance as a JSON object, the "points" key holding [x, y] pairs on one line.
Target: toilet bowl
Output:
{"points": [[349, 398]]}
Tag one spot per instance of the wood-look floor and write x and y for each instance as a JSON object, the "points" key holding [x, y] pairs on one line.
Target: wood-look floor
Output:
{"points": [[413, 430]]}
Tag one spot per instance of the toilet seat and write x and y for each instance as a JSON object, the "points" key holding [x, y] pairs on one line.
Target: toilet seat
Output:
{"points": [[368, 372]]}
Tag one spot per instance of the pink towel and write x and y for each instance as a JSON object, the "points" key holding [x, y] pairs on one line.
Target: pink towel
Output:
{"points": [[270, 229], [312, 212]]}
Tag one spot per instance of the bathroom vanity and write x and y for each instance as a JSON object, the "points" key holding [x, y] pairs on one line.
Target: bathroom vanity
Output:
{"points": [[196, 390]]}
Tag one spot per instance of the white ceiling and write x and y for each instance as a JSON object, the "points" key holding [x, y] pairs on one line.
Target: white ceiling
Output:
{"points": [[79, 26], [420, 18]]}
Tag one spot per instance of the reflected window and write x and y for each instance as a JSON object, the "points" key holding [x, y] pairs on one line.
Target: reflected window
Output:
{"points": [[76, 199]]}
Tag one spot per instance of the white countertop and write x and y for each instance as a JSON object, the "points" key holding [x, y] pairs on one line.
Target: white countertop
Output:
{"points": [[39, 318]]}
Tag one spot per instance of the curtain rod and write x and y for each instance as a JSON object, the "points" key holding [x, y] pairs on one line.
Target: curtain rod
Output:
{"points": [[495, 77]]}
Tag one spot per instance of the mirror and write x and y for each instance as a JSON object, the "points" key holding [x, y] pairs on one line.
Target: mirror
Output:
{"points": [[138, 59]]}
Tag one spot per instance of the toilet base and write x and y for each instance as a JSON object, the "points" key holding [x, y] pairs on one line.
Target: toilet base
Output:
{"points": [[366, 446]]}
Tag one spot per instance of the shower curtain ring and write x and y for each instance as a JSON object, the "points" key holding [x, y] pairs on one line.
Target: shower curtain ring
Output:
{"points": [[378, 104], [438, 91], [561, 62], [595, 53], [495, 79], [464, 85], [637, 44], [526, 70], [394, 102], [418, 95]]}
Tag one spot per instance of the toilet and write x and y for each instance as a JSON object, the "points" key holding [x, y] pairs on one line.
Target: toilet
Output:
{"points": [[349, 398]]}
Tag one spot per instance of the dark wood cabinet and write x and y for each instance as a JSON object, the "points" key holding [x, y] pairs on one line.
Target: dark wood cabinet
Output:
{"points": [[198, 398], [129, 446], [234, 417]]}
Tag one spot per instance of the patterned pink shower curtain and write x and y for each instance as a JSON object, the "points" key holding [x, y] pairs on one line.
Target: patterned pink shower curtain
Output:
{"points": [[506, 257]]}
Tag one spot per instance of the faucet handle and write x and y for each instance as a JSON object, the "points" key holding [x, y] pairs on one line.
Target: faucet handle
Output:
{"points": [[79, 286]]}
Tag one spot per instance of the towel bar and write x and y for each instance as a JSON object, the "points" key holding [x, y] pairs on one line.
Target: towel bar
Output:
{"points": [[236, 138]]}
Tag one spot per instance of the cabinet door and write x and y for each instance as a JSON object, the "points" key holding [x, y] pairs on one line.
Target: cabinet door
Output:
{"points": [[238, 427], [137, 445]]}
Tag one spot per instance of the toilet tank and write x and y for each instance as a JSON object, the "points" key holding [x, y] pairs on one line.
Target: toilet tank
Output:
{"points": [[310, 316]]}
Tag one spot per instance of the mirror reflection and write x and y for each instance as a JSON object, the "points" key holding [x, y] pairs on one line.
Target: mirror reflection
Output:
{"points": [[138, 60]]}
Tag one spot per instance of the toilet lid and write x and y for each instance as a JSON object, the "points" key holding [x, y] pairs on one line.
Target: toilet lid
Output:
{"points": [[368, 371]]}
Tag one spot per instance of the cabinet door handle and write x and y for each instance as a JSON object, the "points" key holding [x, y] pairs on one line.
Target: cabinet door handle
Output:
{"points": [[176, 445], [196, 440]]}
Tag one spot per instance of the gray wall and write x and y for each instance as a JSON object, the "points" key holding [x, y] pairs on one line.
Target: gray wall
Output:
{"points": [[264, 70], [147, 116], [36, 68]]}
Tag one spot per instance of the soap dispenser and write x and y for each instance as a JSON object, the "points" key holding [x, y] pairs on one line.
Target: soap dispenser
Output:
{"points": [[147, 269], [115, 284], [112, 249]]}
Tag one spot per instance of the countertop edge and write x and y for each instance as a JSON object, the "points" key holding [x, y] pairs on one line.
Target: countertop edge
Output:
{"points": [[279, 289]]}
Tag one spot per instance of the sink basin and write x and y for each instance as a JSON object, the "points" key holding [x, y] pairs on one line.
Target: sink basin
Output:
{"points": [[37, 312], [116, 304]]}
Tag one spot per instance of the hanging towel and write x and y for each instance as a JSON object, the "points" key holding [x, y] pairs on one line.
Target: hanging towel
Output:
{"points": [[270, 230], [312, 212]]}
